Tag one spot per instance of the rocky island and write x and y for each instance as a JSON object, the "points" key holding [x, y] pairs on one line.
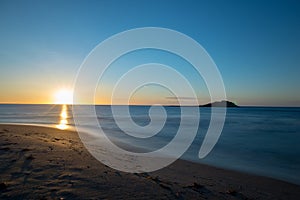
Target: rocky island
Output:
{"points": [[220, 104]]}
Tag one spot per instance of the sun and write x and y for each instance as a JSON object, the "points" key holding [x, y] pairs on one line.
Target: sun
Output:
{"points": [[63, 96]]}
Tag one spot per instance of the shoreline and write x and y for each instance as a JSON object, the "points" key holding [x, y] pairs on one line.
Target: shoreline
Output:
{"points": [[138, 149], [44, 162]]}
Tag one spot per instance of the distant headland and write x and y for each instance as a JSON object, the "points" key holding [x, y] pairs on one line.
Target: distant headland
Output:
{"points": [[220, 104]]}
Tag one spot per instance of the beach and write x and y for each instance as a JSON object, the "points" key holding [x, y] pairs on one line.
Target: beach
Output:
{"points": [[48, 163]]}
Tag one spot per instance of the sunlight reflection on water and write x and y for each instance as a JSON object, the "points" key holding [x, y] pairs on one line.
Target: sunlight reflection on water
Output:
{"points": [[63, 124]]}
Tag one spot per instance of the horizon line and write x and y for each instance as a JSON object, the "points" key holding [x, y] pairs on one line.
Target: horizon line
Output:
{"points": [[167, 105]]}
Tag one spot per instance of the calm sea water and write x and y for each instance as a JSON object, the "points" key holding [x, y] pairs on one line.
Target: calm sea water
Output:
{"points": [[258, 140]]}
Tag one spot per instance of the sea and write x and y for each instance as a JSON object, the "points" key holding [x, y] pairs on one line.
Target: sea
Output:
{"points": [[263, 141]]}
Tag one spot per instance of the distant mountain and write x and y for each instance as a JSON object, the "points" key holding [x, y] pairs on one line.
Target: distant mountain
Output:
{"points": [[220, 104]]}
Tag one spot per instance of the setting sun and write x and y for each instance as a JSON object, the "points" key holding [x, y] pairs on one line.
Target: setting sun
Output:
{"points": [[64, 97]]}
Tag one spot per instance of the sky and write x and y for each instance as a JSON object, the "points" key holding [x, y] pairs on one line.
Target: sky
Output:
{"points": [[255, 45]]}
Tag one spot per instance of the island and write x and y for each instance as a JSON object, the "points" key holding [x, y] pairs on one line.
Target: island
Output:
{"points": [[220, 104]]}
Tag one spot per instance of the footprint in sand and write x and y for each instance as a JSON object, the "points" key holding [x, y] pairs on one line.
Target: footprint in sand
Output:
{"points": [[25, 160]]}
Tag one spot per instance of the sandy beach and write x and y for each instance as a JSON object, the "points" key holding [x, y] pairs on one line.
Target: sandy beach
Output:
{"points": [[47, 163]]}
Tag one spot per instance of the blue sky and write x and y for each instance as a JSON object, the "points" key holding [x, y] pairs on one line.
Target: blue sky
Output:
{"points": [[255, 44]]}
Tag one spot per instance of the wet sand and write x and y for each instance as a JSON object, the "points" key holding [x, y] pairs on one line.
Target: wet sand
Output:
{"points": [[47, 163]]}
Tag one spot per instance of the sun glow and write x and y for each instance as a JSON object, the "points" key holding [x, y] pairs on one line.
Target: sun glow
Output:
{"points": [[63, 96]]}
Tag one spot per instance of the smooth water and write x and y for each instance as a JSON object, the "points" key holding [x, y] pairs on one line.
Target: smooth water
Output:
{"points": [[258, 140]]}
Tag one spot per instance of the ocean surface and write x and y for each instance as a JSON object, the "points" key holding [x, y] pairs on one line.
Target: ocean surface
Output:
{"points": [[258, 140]]}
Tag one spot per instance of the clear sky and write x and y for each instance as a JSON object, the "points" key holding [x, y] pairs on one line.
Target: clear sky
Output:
{"points": [[255, 44]]}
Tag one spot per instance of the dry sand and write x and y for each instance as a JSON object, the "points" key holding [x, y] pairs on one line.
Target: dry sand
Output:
{"points": [[46, 163]]}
